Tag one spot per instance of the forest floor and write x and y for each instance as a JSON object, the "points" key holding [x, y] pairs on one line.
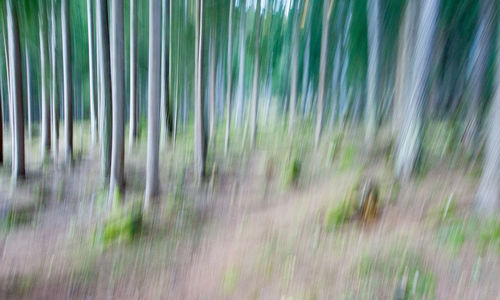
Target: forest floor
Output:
{"points": [[247, 232]]}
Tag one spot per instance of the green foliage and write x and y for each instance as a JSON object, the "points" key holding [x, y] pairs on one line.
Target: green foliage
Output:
{"points": [[334, 147], [348, 157], [339, 214], [230, 280], [124, 224], [489, 234], [292, 171]]}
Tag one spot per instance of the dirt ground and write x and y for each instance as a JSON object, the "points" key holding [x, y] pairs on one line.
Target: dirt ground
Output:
{"points": [[244, 234]]}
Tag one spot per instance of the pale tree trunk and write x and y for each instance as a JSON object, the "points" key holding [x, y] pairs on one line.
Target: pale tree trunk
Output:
{"points": [[54, 91], [9, 90], [255, 88], [44, 71], [15, 68], [154, 90], [479, 57], [134, 103], [294, 72], [104, 86], [1, 120], [305, 76], [229, 76], [410, 134], [488, 195], [176, 104], [92, 77], [165, 128], [212, 90], [199, 106], [373, 12], [68, 85], [240, 90], [322, 69], [28, 90], [118, 93]]}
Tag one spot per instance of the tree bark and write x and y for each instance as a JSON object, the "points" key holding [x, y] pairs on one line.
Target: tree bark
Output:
{"points": [[134, 103], [15, 69], [154, 90], [118, 93], [54, 90], [240, 92], [199, 108], [28, 90], [105, 119], [410, 134], [68, 84], [373, 8], [92, 77], [212, 89], [322, 69], [294, 72], [229, 76], [44, 71], [165, 115], [255, 88]]}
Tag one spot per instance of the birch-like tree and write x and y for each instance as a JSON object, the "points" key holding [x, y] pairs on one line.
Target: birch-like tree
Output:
{"points": [[67, 81], [45, 77]]}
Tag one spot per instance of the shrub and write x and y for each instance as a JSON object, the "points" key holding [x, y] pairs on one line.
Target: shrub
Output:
{"points": [[339, 214], [293, 169], [123, 224]]}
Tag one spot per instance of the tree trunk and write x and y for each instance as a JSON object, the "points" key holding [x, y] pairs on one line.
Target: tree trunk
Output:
{"points": [[1, 120], [154, 90], [199, 108], [255, 88], [165, 117], [134, 103], [410, 134], [480, 57], [305, 76], [373, 73], [322, 69], [294, 72], [488, 195], [16, 84], [212, 89], [54, 90], [68, 85], [229, 76], [9, 89], [240, 91], [92, 77], [118, 93], [105, 119], [28, 90], [44, 70]]}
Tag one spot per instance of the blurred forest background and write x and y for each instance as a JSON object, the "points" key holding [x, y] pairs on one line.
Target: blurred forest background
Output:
{"points": [[250, 149]]}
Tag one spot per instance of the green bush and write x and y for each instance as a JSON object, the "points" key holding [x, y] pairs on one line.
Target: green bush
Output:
{"points": [[293, 169], [339, 214], [123, 224]]}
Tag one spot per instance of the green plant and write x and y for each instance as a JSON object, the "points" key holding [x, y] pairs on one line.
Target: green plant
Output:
{"points": [[293, 169], [347, 157], [339, 214], [489, 234], [123, 224]]}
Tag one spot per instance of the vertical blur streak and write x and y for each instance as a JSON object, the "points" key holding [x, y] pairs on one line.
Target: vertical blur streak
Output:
{"points": [[373, 74], [409, 141]]}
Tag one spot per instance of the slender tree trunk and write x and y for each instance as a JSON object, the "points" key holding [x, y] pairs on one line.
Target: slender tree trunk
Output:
{"points": [[68, 85], [256, 70], [134, 103], [154, 90], [410, 134], [165, 115], [212, 90], [9, 89], [199, 108], [240, 92], [305, 76], [28, 89], [294, 73], [1, 120], [118, 93], [92, 77], [15, 68], [373, 73], [322, 68], [54, 90], [488, 195], [229, 76], [44, 70], [105, 119], [480, 57]]}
